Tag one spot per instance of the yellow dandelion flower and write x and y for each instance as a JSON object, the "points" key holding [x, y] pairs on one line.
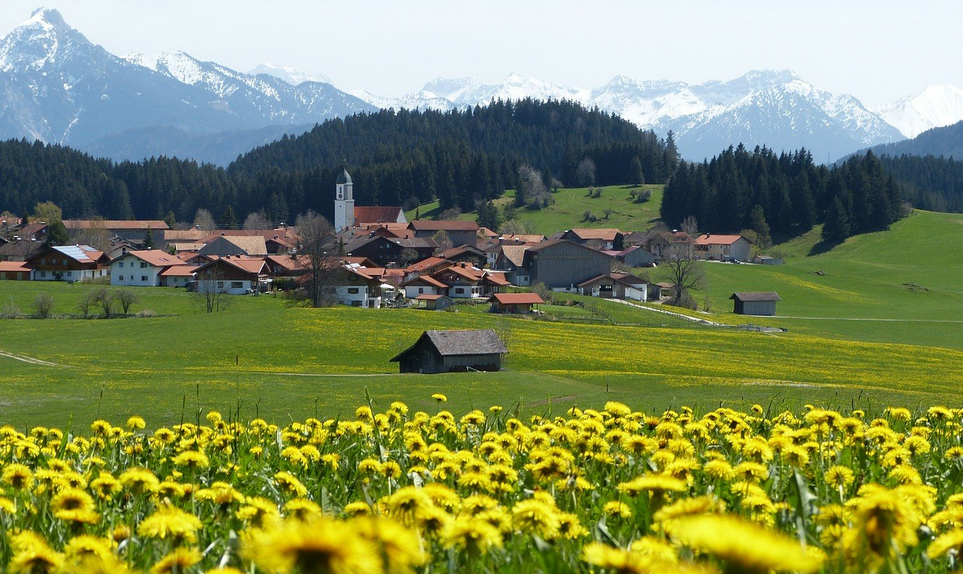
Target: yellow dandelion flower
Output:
{"points": [[290, 484], [839, 477], [536, 517], [18, 476], [170, 522], [36, 560], [746, 547], [177, 561], [139, 480], [951, 541], [401, 548], [440, 398], [301, 508], [617, 509], [318, 545], [473, 535], [136, 423], [658, 484]]}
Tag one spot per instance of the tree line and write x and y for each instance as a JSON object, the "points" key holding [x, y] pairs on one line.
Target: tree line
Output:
{"points": [[931, 183], [784, 193], [461, 158]]}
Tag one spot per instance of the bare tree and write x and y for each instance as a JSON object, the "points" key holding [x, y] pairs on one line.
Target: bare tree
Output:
{"points": [[126, 298], [87, 302], [316, 233], [585, 172], [204, 220], [406, 256], [44, 305], [211, 290], [257, 220], [104, 298], [95, 235], [691, 226], [441, 238], [514, 227], [685, 273]]}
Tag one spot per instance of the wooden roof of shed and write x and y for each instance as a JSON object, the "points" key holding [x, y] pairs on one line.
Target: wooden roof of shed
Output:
{"points": [[449, 343], [756, 296]]}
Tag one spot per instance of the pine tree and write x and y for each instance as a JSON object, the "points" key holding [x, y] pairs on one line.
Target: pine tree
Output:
{"points": [[836, 228], [148, 239], [757, 222], [228, 220]]}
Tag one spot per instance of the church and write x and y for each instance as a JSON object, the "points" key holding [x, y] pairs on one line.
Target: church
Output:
{"points": [[347, 216]]}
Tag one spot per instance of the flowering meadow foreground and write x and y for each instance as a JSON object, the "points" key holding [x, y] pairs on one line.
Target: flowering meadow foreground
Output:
{"points": [[608, 490]]}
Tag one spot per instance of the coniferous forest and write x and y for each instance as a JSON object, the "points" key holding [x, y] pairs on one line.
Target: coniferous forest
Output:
{"points": [[787, 193], [460, 158]]}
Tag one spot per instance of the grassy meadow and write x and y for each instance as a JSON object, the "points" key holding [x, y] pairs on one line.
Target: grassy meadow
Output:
{"points": [[570, 206]]}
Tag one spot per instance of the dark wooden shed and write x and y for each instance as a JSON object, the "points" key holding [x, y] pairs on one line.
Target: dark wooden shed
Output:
{"points": [[448, 351], [755, 303]]}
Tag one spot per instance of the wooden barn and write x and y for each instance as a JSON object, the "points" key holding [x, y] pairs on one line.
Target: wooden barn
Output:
{"points": [[755, 303], [453, 351]]}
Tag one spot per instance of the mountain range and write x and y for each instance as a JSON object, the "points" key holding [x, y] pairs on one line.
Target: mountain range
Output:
{"points": [[58, 87]]}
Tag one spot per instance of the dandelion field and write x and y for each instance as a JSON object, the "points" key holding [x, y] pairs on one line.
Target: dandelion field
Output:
{"points": [[591, 490]]}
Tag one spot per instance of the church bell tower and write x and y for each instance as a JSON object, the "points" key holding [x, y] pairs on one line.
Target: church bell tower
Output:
{"points": [[343, 202]]}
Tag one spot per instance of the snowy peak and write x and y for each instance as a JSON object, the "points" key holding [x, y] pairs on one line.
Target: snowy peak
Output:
{"points": [[47, 18], [934, 107], [43, 40], [287, 74]]}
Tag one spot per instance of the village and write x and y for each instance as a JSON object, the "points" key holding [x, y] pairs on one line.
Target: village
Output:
{"points": [[374, 257]]}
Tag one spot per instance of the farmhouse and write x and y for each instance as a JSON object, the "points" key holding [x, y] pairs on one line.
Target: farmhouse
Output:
{"points": [[514, 302], [224, 245], [447, 351], [68, 263], [755, 303], [236, 275], [459, 232], [142, 268], [390, 250], [559, 263], [14, 271], [722, 247], [601, 239], [616, 286]]}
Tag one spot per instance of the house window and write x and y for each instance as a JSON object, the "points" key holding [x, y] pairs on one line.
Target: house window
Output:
{"points": [[143, 278], [459, 290], [143, 264], [353, 290], [356, 303], [220, 284], [121, 264], [421, 290], [236, 285], [121, 278], [43, 273]]}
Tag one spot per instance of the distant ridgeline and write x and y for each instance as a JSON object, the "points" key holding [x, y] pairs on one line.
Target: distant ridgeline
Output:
{"points": [[459, 158], [785, 193]]}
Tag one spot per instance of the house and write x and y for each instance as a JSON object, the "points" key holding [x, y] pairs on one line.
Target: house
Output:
{"points": [[511, 260], [755, 303], [132, 230], [14, 271], [355, 288], [601, 239], [635, 256], [68, 263], [224, 245], [233, 275], [448, 351], [385, 250], [20, 250], [562, 264], [668, 244], [466, 282], [177, 276], [722, 247], [459, 232], [514, 302], [424, 285], [616, 286], [466, 254], [141, 268]]}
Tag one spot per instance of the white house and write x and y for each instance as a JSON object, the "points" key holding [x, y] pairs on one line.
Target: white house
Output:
{"points": [[722, 247], [142, 268], [355, 288], [67, 263]]}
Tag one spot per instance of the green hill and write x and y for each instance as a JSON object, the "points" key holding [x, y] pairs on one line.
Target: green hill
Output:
{"points": [[902, 285], [571, 206]]}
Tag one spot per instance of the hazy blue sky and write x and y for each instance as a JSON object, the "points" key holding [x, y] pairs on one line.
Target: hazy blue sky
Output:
{"points": [[877, 51]]}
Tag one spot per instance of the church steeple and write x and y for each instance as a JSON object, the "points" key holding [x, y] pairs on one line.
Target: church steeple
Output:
{"points": [[343, 201]]}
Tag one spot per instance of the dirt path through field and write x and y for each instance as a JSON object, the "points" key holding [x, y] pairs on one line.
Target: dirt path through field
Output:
{"points": [[29, 360]]}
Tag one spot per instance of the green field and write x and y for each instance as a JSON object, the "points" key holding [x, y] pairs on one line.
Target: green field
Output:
{"points": [[570, 206]]}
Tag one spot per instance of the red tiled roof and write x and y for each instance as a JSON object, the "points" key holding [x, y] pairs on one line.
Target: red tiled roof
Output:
{"points": [[443, 225], [603, 234], [428, 263], [517, 298], [428, 279], [376, 214], [713, 239], [154, 257], [116, 224], [179, 271], [14, 266]]}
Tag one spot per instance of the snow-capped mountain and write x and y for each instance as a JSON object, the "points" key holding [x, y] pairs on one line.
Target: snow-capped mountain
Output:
{"points": [[56, 86], [934, 107], [292, 76], [774, 108]]}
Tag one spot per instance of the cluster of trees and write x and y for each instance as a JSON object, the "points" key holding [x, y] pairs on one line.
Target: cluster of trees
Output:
{"points": [[931, 183], [461, 158], [783, 193]]}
